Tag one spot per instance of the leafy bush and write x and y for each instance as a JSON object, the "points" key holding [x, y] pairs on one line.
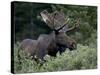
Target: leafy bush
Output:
{"points": [[82, 58]]}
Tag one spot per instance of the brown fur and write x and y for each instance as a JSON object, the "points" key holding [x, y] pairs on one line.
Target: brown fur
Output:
{"points": [[47, 44]]}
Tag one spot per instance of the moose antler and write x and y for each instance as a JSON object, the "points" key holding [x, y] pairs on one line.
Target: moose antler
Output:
{"points": [[57, 21], [54, 20], [47, 17], [63, 25], [76, 25]]}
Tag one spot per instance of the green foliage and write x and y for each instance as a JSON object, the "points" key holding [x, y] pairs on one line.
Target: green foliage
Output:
{"points": [[84, 57]]}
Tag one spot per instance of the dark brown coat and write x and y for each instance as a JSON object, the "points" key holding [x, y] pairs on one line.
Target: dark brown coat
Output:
{"points": [[48, 44]]}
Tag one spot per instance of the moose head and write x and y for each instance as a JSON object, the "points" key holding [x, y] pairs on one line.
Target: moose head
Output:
{"points": [[59, 25]]}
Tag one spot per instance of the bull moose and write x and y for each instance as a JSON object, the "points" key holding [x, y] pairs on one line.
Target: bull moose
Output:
{"points": [[56, 41]]}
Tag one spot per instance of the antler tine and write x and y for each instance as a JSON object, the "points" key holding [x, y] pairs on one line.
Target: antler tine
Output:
{"points": [[75, 26], [54, 14], [63, 25]]}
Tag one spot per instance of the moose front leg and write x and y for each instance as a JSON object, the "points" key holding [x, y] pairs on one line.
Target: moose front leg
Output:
{"points": [[40, 55], [61, 50]]}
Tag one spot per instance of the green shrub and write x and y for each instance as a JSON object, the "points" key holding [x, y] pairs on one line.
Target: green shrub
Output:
{"points": [[82, 58]]}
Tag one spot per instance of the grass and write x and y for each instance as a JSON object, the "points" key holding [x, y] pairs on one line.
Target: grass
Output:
{"points": [[82, 58]]}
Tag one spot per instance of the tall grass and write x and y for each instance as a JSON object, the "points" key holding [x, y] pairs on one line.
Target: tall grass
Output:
{"points": [[82, 58]]}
